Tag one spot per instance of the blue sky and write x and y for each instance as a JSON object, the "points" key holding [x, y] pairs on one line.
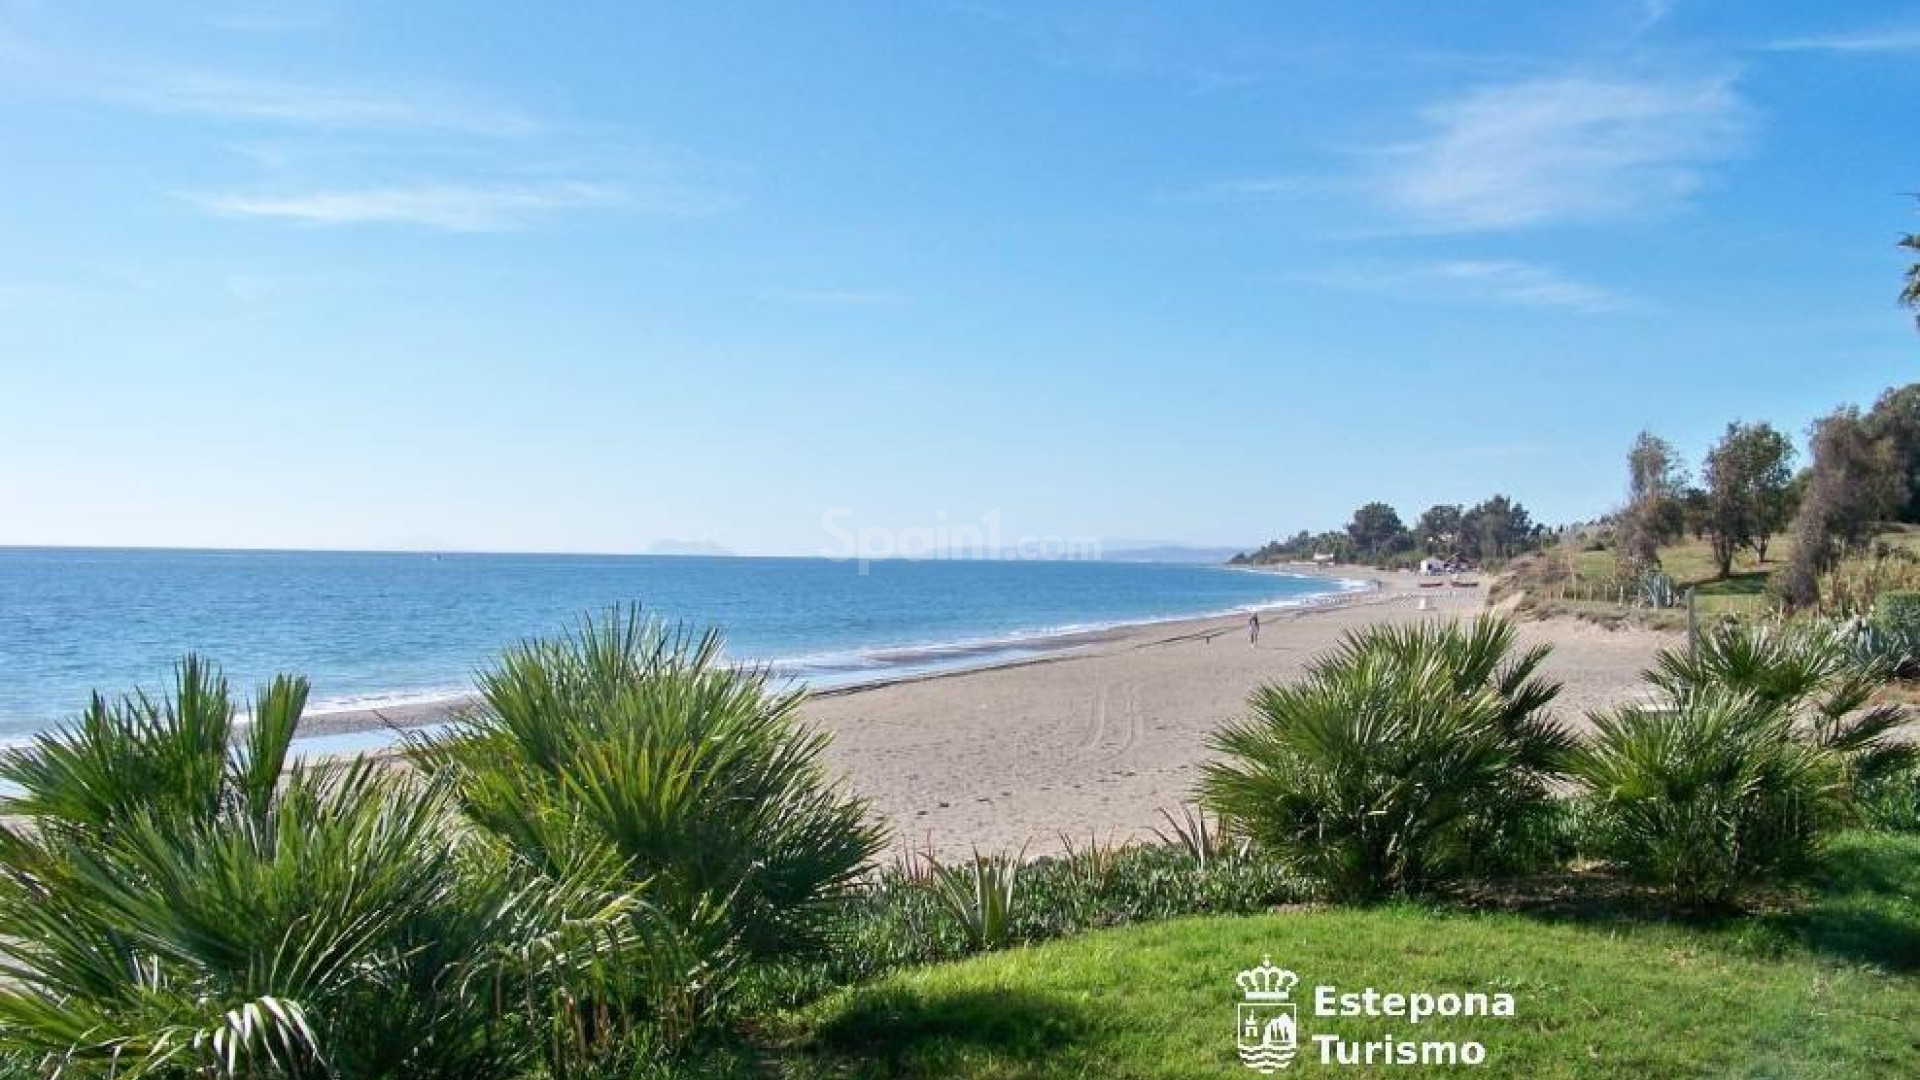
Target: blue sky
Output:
{"points": [[584, 276]]}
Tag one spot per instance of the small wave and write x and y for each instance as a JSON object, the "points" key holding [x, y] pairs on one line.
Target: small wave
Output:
{"points": [[392, 699], [903, 661], [441, 680]]}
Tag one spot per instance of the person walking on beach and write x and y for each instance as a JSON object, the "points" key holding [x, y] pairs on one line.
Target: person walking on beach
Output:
{"points": [[1253, 630]]}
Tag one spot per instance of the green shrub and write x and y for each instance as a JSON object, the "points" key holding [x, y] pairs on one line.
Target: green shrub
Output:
{"points": [[1852, 588], [1156, 882], [172, 903], [1383, 768], [1898, 610], [1709, 795], [898, 918], [1527, 839], [1814, 673], [633, 746], [1892, 636], [1891, 803]]}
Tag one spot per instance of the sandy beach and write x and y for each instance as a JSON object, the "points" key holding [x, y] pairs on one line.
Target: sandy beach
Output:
{"points": [[1101, 738], [1104, 730]]}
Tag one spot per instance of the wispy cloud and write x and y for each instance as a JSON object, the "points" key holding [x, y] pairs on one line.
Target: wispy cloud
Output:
{"points": [[306, 105], [1519, 154], [1545, 151], [450, 207], [1653, 12], [1527, 283], [1886, 39], [836, 297], [340, 157], [1260, 189], [231, 96], [371, 151], [1501, 281]]}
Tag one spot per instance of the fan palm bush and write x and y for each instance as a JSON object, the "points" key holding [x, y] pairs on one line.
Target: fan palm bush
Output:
{"points": [[1709, 794], [1816, 674], [179, 757], [632, 745], [175, 904], [1395, 759]]}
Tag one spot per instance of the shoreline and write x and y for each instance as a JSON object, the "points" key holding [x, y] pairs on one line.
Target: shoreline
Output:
{"points": [[1099, 740], [1013, 650], [1097, 734]]}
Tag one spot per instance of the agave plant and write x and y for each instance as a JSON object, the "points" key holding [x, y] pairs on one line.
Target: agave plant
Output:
{"points": [[1709, 794], [982, 895], [1893, 646], [632, 745], [175, 904], [915, 867], [1094, 862], [1205, 841], [1814, 673], [1657, 591], [1390, 762]]}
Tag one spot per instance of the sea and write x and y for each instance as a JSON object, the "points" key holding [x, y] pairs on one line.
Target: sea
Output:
{"points": [[383, 629]]}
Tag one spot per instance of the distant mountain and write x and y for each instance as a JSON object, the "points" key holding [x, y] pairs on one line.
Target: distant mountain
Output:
{"points": [[686, 547], [1148, 551]]}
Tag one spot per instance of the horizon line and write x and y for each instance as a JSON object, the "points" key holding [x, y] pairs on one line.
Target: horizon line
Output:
{"points": [[269, 550]]}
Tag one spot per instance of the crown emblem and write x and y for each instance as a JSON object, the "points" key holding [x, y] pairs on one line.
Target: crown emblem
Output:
{"points": [[1266, 982]]}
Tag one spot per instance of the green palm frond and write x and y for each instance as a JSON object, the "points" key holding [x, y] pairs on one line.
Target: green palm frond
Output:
{"points": [[176, 756], [1382, 769], [636, 744], [1709, 794], [1910, 291], [1813, 673], [177, 904]]}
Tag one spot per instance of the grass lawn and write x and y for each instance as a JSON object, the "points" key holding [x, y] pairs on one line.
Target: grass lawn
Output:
{"points": [[1827, 987]]}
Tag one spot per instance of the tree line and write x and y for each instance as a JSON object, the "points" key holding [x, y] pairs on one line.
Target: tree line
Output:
{"points": [[1863, 470], [1495, 528]]}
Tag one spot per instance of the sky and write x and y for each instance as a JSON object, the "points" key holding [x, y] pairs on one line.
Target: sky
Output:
{"points": [[591, 276]]}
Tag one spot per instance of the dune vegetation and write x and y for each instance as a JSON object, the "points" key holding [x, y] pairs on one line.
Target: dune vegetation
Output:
{"points": [[628, 860]]}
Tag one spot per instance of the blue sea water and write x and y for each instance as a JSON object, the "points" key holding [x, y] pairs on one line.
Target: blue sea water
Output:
{"points": [[383, 628]]}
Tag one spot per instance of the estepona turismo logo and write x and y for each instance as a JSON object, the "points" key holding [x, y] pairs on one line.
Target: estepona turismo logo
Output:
{"points": [[1269, 1023], [1268, 1026]]}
